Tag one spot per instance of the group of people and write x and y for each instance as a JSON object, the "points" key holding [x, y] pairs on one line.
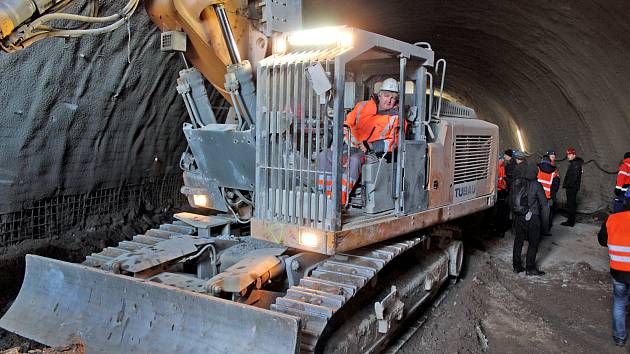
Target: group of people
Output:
{"points": [[527, 199], [615, 234], [527, 196]]}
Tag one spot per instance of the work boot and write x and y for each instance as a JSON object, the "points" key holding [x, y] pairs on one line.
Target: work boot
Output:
{"points": [[535, 272], [517, 269]]}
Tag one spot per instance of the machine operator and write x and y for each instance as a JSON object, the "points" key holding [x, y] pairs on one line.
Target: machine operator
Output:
{"points": [[372, 126]]}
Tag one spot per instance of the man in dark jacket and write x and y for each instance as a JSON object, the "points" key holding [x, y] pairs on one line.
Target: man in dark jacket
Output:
{"points": [[527, 224], [572, 185], [509, 164], [615, 235], [550, 181]]}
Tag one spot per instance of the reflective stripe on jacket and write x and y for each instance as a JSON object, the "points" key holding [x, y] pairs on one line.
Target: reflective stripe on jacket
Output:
{"points": [[618, 228], [367, 125], [546, 180], [502, 185], [623, 176]]}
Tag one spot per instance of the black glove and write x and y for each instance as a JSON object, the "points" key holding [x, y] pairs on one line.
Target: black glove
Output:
{"points": [[379, 146]]}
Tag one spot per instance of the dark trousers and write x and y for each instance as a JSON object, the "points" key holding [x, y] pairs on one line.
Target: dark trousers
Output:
{"points": [[502, 215], [617, 205], [571, 204], [529, 230], [552, 212]]}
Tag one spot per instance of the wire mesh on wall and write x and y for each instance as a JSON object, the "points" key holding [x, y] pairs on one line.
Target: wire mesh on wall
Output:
{"points": [[53, 216]]}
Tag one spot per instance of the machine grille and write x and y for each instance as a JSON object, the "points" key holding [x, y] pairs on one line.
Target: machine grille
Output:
{"points": [[472, 158]]}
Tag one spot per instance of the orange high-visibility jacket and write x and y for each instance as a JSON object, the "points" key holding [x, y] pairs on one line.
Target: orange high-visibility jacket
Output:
{"points": [[618, 228], [546, 179], [623, 176], [367, 125], [502, 182]]}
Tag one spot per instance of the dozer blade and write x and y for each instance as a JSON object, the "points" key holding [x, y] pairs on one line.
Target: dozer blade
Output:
{"points": [[60, 302]]}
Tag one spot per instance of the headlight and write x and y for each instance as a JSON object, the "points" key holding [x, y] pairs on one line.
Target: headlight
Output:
{"points": [[309, 239], [279, 44], [200, 200]]}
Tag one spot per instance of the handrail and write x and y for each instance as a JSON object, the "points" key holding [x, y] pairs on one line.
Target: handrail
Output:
{"points": [[426, 121], [426, 45], [437, 71], [401, 136], [345, 126]]}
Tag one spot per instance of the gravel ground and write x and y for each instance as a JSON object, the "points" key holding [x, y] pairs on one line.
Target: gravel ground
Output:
{"points": [[566, 311]]}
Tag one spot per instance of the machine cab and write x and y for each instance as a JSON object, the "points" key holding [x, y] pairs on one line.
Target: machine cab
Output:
{"points": [[304, 96]]}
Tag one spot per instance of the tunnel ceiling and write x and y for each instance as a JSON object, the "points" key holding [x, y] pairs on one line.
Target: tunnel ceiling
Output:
{"points": [[557, 70]]}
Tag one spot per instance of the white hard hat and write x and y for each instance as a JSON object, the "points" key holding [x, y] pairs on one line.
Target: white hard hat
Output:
{"points": [[389, 85]]}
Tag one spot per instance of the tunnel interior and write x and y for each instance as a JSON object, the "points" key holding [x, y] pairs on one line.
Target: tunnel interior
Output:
{"points": [[91, 128], [100, 117], [554, 71]]}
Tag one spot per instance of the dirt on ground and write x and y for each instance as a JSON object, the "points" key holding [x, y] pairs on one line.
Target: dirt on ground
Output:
{"points": [[493, 310], [76, 348]]}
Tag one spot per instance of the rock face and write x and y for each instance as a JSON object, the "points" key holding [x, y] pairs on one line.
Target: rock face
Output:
{"points": [[77, 116], [556, 70]]}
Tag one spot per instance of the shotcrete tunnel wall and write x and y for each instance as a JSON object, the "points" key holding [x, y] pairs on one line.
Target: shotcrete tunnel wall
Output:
{"points": [[85, 134], [77, 117]]}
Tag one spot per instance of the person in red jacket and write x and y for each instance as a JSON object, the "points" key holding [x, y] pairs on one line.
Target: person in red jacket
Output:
{"points": [[371, 126], [623, 182], [502, 210], [615, 234]]}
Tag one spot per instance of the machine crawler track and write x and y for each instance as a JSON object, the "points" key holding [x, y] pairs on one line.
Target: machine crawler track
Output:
{"points": [[103, 259], [330, 285], [333, 283]]}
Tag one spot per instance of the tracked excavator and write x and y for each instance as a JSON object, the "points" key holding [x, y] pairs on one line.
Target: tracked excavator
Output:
{"points": [[310, 274]]}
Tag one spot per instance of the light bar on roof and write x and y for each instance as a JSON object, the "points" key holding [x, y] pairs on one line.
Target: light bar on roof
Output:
{"points": [[324, 36]]}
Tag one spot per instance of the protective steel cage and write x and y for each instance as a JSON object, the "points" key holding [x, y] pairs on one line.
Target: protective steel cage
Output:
{"points": [[294, 125], [293, 128]]}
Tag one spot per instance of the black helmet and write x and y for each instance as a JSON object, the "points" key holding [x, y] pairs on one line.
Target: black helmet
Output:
{"points": [[518, 155]]}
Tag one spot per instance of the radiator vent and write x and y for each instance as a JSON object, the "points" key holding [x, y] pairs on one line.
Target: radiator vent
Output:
{"points": [[472, 158], [453, 110]]}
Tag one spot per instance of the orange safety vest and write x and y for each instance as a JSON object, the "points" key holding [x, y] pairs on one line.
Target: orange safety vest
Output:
{"points": [[366, 124], [546, 179], [623, 176], [502, 182], [618, 228]]}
